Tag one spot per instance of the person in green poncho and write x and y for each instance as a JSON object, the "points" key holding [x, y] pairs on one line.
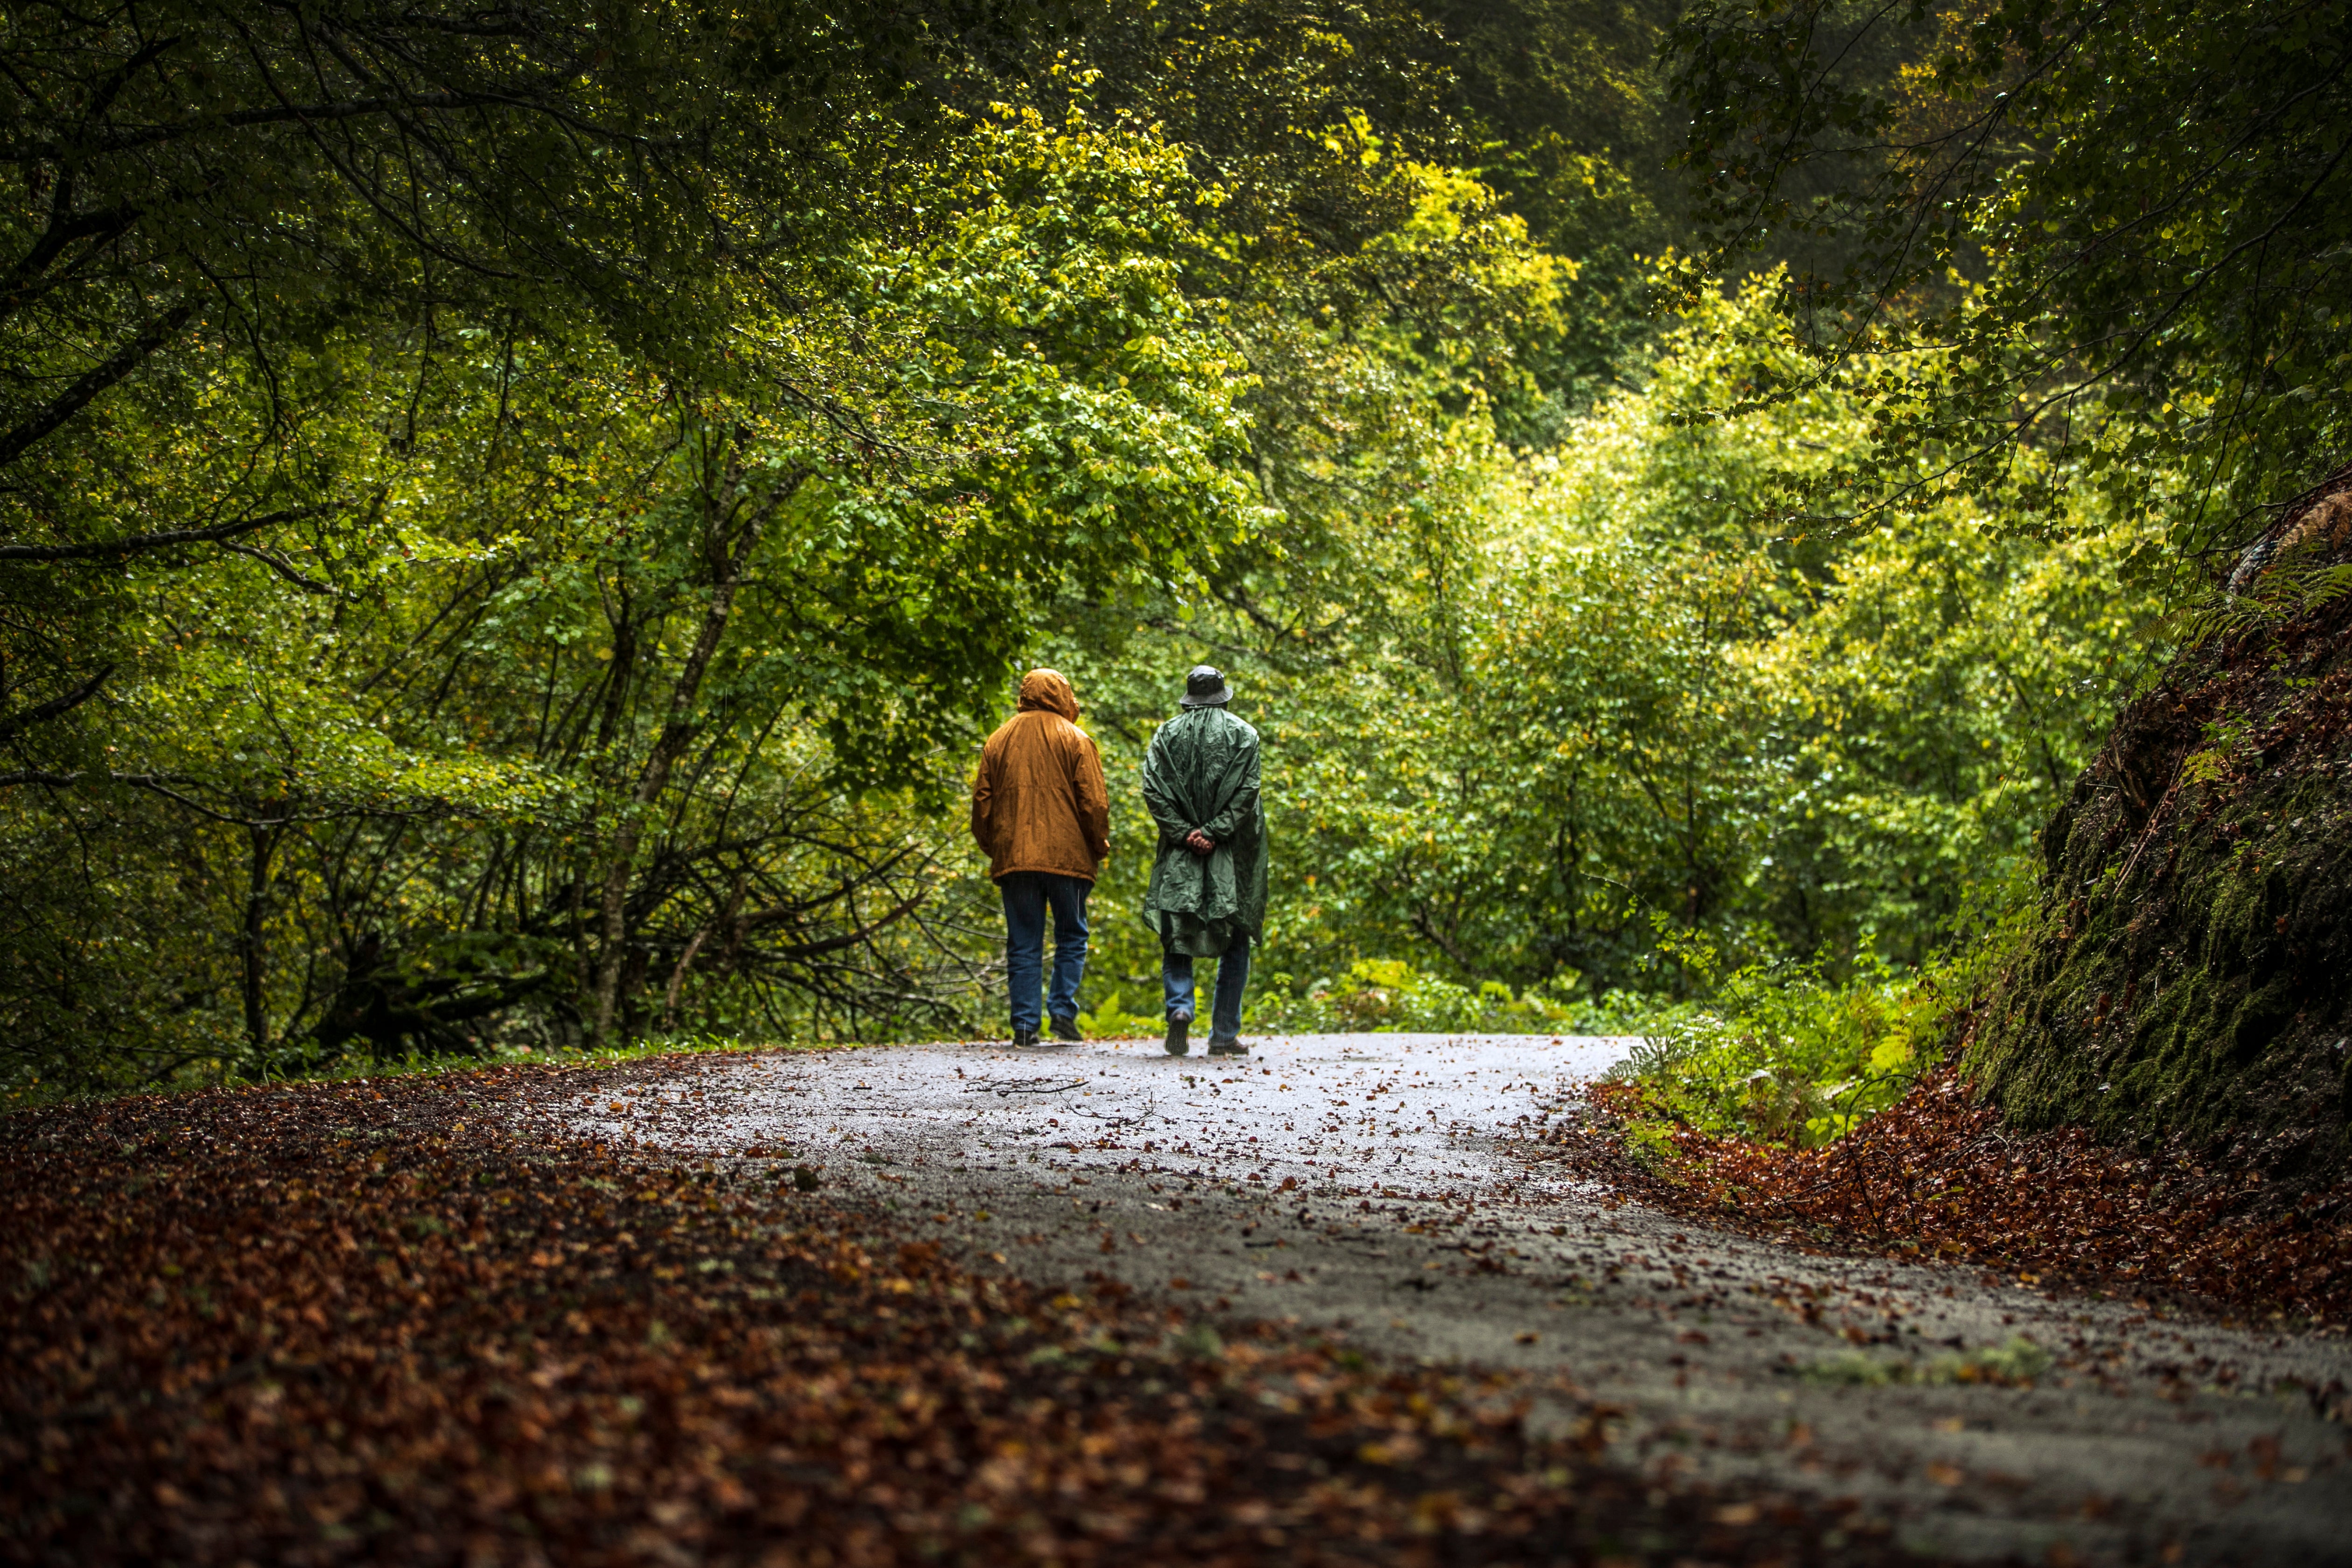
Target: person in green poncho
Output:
{"points": [[1207, 898]]}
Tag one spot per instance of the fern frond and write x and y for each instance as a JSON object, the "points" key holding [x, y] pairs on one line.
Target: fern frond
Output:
{"points": [[2324, 587], [2278, 598]]}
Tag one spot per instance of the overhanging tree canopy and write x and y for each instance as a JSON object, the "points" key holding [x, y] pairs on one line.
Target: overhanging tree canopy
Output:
{"points": [[2118, 227], [212, 197]]}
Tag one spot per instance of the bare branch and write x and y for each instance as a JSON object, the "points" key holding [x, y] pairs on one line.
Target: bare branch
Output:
{"points": [[285, 569], [281, 113], [834, 943]]}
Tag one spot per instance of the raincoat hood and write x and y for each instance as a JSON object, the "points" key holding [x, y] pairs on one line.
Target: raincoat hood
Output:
{"points": [[1048, 691], [1038, 802]]}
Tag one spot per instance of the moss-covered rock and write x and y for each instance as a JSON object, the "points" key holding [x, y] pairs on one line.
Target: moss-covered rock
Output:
{"points": [[2190, 976]]}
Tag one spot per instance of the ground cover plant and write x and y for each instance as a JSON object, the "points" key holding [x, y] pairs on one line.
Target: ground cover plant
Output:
{"points": [[1801, 1053], [400, 1321]]}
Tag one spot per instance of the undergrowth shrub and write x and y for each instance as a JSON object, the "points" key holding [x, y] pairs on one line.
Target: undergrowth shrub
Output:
{"points": [[1375, 996], [1380, 995], [1785, 1054], [1801, 1053]]}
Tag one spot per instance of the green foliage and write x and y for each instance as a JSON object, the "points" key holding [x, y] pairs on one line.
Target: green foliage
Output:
{"points": [[1781, 1053], [1389, 995], [1612, 697], [1787, 1051], [1110, 1020], [1568, 108], [632, 682], [597, 578], [566, 616], [2109, 231]]}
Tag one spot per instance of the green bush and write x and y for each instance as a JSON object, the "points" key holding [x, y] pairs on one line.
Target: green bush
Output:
{"points": [[1794, 1053], [1786, 1055], [1387, 995], [1375, 996], [1111, 1021]]}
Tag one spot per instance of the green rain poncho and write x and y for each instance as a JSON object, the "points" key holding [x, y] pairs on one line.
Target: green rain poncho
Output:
{"points": [[1201, 771]]}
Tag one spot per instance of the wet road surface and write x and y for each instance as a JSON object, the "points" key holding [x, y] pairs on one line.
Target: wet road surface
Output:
{"points": [[1376, 1186]]}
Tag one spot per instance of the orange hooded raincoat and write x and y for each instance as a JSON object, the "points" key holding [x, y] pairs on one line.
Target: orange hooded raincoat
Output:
{"points": [[1039, 803]]}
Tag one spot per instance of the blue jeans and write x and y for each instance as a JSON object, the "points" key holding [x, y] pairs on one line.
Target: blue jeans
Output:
{"points": [[1232, 974], [1027, 895]]}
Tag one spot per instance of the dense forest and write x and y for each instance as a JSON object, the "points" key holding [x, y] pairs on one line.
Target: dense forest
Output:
{"points": [[517, 520]]}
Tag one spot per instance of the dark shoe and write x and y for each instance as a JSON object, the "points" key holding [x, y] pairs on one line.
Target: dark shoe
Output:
{"points": [[1232, 1048], [1024, 1038], [1179, 1025], [1066, 1029]]}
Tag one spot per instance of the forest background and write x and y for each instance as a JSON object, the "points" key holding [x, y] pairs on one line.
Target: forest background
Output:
{"points": [[515, 531]]}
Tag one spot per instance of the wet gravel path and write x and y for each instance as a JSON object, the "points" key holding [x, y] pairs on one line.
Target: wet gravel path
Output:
{"points": [[1369, 1185]]}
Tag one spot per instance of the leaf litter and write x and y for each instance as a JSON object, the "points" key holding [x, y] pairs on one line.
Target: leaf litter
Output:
{"points": [[1938, 1177], [396, 1322]]}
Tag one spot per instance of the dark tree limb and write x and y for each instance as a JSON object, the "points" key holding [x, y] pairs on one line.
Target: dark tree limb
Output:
{"points": [[285, 569], [731, 534], [11, 724], [835, 943], [121, 362], [112, 549], [144, 780], [123, 141], [22, 282]]}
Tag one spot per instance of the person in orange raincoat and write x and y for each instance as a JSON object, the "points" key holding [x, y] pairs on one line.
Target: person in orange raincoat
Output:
{"points": [[1042, 814]]}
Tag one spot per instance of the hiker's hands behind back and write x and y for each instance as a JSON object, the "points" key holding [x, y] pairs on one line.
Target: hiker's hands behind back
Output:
{"points": [[1199, 843]]}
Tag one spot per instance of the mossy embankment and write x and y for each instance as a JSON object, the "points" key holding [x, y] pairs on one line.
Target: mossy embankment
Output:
{"points": [[2189, 981]]}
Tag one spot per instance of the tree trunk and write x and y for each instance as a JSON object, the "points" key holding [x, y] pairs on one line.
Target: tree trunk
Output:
{"points": [[730, 532], [263, 848], [726, 917], [602, 769]]}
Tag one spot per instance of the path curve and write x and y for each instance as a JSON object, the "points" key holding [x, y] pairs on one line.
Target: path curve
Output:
{"points": [[1366, 1184]]}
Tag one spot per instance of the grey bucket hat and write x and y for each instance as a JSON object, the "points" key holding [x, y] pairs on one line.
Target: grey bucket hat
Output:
{"points": [[1206, 688]]}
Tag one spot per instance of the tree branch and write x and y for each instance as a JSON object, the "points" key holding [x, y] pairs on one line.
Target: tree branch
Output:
{"points": [[70, 402], [112, 549], [14, 723], [279, 114], [279, 565], [144, 780], [834, 943], [64, 228]]}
